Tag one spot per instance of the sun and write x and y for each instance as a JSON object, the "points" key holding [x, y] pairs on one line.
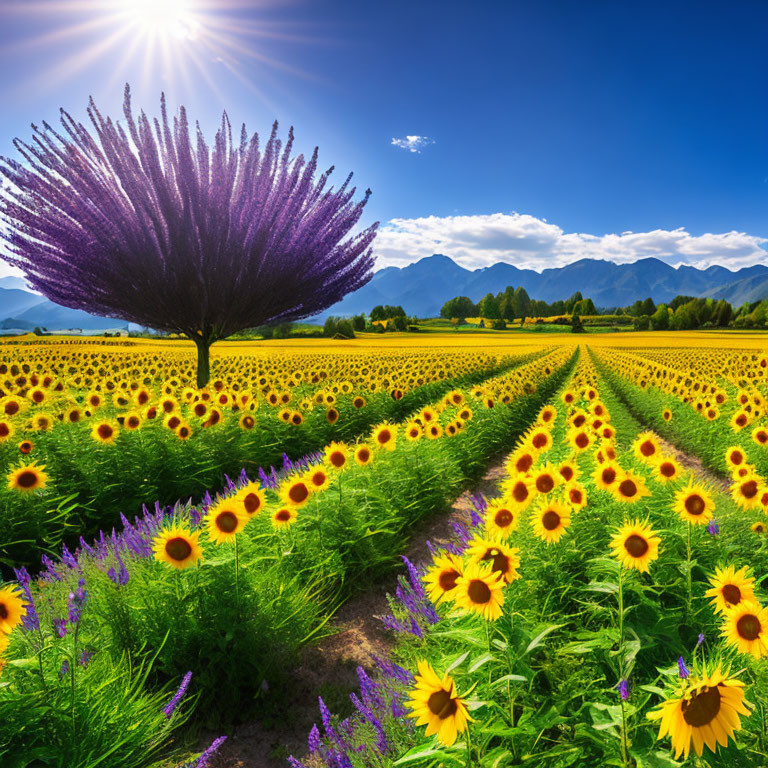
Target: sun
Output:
{"points": [[163, 18]]}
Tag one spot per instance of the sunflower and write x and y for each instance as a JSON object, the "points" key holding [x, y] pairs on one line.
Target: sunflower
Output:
{"points": [[520, 491], [569, 470], [225, 520], [551, 520], [252, 497], [579, 439], [26, 446], [646, 448], [694, 504], [503, 560], [6, 430], [521, 461], [739, 420], [247, 421], [104, 432], [12, 609], [412, 431], [735, 456], [629, 488], [284, 517], [295, 491], [501, 518], [317, 478], [759, 528], [363, 455], [666, 414], [576, 495], [760, 435], [385, 436], [635, 545], [541, 439], [441, 577], [730, 588], [27, 478], [433, 431], [746, 628], [606, 475], [746, 492], [704, 710], [178, 546], [667, 469], [480, 590], [546, 479], [436, 704]]}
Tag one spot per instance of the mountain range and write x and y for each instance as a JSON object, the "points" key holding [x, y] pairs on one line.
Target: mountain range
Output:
{"points": [[423, 287]]}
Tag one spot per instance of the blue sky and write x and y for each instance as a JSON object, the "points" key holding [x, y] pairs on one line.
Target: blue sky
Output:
{"points": [[554, 126]]}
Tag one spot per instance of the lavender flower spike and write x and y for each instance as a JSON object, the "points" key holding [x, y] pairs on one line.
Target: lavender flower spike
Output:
{"points": [[205, 758], [171, 706]]}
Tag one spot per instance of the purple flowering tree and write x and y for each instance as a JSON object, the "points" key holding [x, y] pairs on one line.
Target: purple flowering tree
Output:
{"points": [[147, 223]]}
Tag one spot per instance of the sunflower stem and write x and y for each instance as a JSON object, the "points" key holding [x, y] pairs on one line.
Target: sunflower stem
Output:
{"points": [[72, 666], [624, 749], [237, 578], [689, 579]]}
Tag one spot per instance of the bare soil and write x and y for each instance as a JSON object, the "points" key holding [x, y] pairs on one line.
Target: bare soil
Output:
{"points": [[328, 668]]}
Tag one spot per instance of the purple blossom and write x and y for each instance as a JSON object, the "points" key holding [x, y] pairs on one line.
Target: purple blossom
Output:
{"points": [[414, 577], [84, 659], [682, 671], [205, 758], [623, 689], [76, 602], [171, 706], [314, 741], [31, 621], [713, 529], [63, 669], [60, 626], [394, 671], [700, 640], [121, 576]]}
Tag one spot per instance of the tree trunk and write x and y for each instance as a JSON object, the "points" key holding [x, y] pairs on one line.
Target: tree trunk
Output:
{"points": [[203, 361]]}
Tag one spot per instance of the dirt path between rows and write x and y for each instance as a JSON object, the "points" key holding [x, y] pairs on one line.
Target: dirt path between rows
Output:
{"points": [[694, 464], [328, 668]]}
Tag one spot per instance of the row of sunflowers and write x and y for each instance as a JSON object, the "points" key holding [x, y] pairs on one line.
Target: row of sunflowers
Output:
{"points": [[604, 608], [218, 598], [80, 449]]}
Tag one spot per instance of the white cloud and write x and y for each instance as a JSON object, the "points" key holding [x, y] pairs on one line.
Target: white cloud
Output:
{"points": [[413, 143], [528, 242]]}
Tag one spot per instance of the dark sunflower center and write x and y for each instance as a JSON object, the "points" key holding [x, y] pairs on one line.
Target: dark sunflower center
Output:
{"points": [[441, 704], [318, 478], [748, 627], [636, 545], [582, 440], [667, 468], [575, 495], [105, 431], [3, 611], [608, 475], [251, 503], [503, 518], [579, 420], [178, 548], [749, 489], [524, 463], [282, 515], [26, 479], [364, 454], [736, 457], [337, 459], [695, 505], [647, 448], [731, 594], [226, 522], [479, 592], [298, 493], [539, 440], [520, 492], [384, 436], [447, 580], [550, 520], [566, 473], [628, 488], [499, 559], [544, 483], [702, 708]]}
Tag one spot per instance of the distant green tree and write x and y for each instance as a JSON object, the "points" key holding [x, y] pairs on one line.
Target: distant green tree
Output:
{"points": [[331, 326], [458, 308], [522, 303], [576, 324], [358, 322], [344, 328], [660, 318], [489, 307]]}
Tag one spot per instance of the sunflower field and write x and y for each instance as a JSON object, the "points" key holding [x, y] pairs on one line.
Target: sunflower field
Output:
{"points": [[169, 553]]}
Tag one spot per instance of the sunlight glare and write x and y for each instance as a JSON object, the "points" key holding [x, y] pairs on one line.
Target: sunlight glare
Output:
{"points": [[163, 18]]}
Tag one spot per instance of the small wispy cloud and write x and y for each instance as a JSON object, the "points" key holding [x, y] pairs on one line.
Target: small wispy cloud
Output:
{"points": [[413, 143]]}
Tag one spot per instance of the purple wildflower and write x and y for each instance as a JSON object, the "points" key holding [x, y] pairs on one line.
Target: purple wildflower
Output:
{"points": [[713, 529], [204, 759], [64, 669], [314, 741], [60, 625], [623, 689], [682, 671], [171, 706]]}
